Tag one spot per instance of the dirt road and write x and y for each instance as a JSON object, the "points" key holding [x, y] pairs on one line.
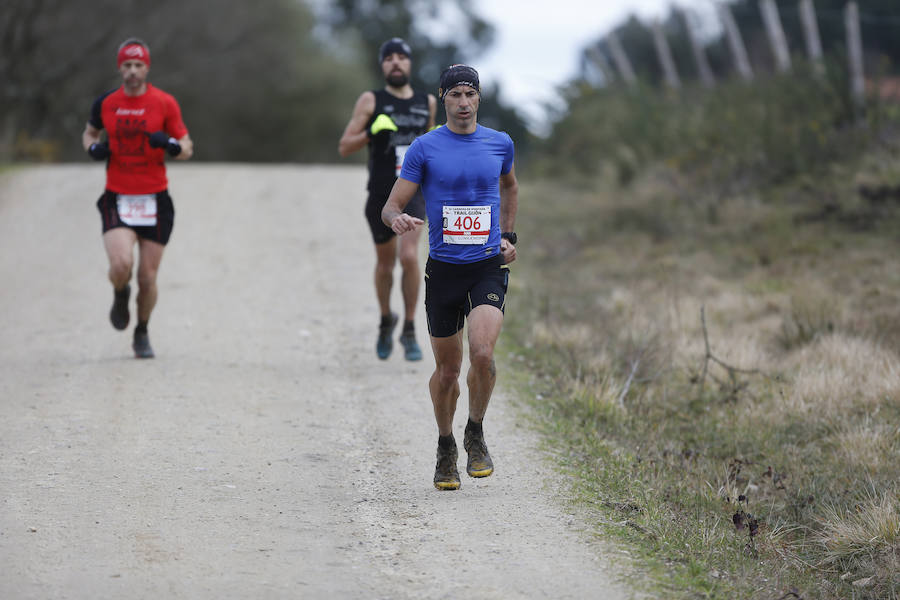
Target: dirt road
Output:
{"points": [[265, 452]]}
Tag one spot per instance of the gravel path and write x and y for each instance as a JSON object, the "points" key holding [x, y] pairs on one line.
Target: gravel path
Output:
{"points": [[265, 452]]}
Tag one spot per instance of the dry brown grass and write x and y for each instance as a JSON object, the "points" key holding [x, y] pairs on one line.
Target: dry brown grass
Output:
{"points": [[864, 539], [869, 445], [839, 374], [797, 413]]}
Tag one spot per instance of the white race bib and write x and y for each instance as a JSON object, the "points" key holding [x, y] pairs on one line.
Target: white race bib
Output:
{"points": [[137, 210], [401, 154], [467, 224]]}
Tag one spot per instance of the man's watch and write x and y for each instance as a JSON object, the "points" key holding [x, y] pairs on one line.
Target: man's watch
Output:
{"points": [[511, 236]]}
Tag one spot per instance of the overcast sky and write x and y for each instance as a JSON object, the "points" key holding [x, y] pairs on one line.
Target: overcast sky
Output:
{"points": [[538, 43]]}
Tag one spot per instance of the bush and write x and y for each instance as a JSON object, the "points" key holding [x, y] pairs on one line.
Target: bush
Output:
{"points": [[758, 133]]}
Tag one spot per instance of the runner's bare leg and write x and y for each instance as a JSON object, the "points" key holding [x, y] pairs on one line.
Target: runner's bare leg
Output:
{"points": [[385, 258], [150, 257], [444, 382], [119, 243], [484, 324], [411, 279]]}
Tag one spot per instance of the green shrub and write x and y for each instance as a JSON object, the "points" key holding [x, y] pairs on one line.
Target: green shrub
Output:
{"points": [[736, 134]]}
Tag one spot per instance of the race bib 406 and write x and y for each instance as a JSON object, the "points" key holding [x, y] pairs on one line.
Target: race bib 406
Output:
{"points": [[467, 224]]}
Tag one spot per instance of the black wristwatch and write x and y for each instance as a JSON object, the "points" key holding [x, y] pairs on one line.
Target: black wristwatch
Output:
{"points": [[511, 236]]}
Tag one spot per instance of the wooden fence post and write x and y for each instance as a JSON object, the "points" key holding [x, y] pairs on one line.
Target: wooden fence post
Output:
{"points": [[811, 35], [706, 74], [623, 65], [776, 35], [735, 42], [664, 54], [855, 55]]}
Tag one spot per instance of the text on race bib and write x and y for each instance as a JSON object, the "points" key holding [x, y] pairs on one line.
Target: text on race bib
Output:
{"points": [[137, 210], [401, 154], [466, 224]]}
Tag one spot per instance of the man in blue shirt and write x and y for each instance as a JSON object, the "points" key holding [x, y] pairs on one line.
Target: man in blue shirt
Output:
{"points": [[471, 196]]}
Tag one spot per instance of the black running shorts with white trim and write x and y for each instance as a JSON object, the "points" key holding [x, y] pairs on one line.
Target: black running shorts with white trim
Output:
{"points": [[165, 217], [381, 233], [453, 290]]}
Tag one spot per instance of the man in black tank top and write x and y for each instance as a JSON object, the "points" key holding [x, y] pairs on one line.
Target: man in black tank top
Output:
{"points": [[387, 121]]}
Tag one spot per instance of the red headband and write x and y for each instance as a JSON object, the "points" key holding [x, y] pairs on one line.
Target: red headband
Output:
{"points": [[134, 52]]}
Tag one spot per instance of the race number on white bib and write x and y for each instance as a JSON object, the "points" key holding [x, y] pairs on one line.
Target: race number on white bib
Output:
{"points": [[467, 224], [137, 210], [401, 154]]}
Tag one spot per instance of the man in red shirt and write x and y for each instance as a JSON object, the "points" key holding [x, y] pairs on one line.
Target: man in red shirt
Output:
{"points": [[142, 125]]}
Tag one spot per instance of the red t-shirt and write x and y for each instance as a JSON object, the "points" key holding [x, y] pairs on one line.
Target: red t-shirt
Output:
{"points": [[134, 167]]}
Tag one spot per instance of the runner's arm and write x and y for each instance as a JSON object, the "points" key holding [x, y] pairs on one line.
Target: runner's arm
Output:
{"points": [[509, 205], [392, 214], [509, 200], [355, 135], [90, 136], [187, 147]]}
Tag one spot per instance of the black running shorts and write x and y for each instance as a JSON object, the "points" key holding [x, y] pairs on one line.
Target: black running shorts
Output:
{"points": [[381, 233], [165, 217], [452, 291]]}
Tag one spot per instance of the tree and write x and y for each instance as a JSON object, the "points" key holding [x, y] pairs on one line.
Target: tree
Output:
{"points": [[366, 25], [253, 84]]}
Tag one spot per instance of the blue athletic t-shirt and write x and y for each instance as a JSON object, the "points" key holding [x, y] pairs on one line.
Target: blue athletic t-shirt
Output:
{"points": [[463, 171]]}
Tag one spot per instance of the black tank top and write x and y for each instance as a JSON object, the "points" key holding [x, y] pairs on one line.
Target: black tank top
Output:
{"points": [[386, 150]]}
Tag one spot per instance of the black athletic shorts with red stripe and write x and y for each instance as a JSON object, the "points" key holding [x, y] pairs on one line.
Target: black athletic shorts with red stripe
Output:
{"points": [[165, 217], [453, 290]]}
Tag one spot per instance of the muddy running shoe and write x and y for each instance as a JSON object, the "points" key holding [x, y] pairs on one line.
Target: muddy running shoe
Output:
{"points": [[411, 350], [446, 476], [141, 345], [479, 463], [118, 314], [385, 344]]}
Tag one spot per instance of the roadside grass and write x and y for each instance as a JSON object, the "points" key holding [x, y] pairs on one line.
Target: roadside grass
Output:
{"points": [[722, 385]]}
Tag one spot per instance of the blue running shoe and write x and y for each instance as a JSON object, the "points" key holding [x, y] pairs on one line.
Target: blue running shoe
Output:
{"points": [[411, 350], [385, 343]]}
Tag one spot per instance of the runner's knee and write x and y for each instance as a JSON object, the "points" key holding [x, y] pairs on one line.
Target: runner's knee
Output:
{"points": [[384, 268], [146, 278], [120, 266], [409, 259], [448, 375], [482, 359]]}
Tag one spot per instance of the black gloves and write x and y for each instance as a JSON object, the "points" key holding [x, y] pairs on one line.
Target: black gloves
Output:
{"points": [[99, 150], [159, 139]]}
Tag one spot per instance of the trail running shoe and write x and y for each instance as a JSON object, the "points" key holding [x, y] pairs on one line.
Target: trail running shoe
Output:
{"points": [[479, 463], [385, 344], [141, 345], [411, 350], [446, 476], [118, 314]]}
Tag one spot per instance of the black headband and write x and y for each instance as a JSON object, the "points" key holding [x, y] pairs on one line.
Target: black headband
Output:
{"points": [[394, 45], [455, 75]]}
